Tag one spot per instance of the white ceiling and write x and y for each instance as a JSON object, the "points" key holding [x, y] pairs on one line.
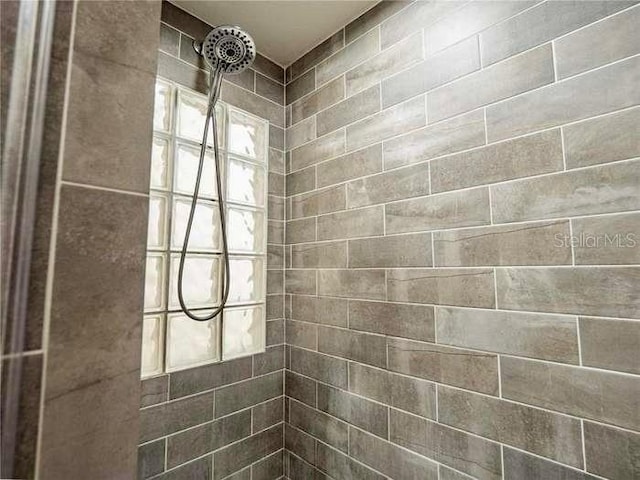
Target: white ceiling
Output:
{"points": [[282, 30]]}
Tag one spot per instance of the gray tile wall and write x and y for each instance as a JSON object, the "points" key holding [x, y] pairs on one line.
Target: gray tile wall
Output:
{"points": [[453, 307], [224, 420]]}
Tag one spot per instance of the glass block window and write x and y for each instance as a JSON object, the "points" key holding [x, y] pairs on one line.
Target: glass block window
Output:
{"points": [[171, 340]]}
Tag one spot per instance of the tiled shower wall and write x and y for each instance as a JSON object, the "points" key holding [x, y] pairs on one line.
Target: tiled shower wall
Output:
{"points": [[462, 244], [224, 419]]}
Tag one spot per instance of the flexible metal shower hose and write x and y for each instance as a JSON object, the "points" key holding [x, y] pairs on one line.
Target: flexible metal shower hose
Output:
{"points": [[215, 84]]}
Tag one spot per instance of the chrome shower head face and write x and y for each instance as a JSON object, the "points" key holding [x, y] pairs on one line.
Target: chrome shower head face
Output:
{"points": [[229, 48]]}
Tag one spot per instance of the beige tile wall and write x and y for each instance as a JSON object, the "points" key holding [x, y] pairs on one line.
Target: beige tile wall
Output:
{"points": [[449, 165]]}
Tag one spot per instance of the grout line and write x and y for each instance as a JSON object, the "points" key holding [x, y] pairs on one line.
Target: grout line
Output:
{"points": [[499, 376], [584, 448], [104, 189], [580, 362]]}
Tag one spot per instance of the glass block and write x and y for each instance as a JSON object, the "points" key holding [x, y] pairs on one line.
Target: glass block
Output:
{"points": [[154, 278], [245, 230], [245, 182], [247, 135], [186, 169], [157, 231], [201, 281], [160, 164], [247, 280], [205, 230], [190, 343], [162, 107], [192, 111], [244, 331], [152, 345]]}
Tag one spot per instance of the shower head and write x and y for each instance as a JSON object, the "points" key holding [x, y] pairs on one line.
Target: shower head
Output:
{"points": [[229, 48]]}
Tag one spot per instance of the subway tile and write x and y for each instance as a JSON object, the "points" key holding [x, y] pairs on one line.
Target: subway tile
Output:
{"points": [[317, 101], [605, 396], [538, 431], [276, 184], [603, 139], [319, 255], [341, 466], [245, 79], [353, 54], [164, 419], [269, 468], [389, 459], [302, 230], [267, 414], [351, 224], [395, 319], [604, 42], [549, 337], [519, 465], [260, 106], [523, 244], [611, 452], [602, 91], [322, 148], [302, 335], [412, 250], [272, 70], [301, 470], [265, 87], [413, 19], [467, 208], [301, 388], [411, 394], [186, 75], [275, 207], [198, 441], [300, 86], [275, 231], [327, 200], [386, 124], [276, 137], [319, 367], [325, 310], [275, 282], [323, 50], [468, 20], [245, 452], [183, 21], [603, 291], [197, 470], [320, 425], [450, 474], [470, 454], [541, 24], [194, 380], [275, 257], [360, 347], [169, 40], [607, 240], [601, 189], [365, 284], [154, 390], [301, 181], [151, 459], [472, 287], [270, 360], [511, 77], [276, 162], [443, 138], [348, 111], [357, 411], [403, 54], [522, 157], [352, 165], [299, 443], [598, 336], [300, 281], [250, 392], [275, 331], [372, 17], [108, 96], [275, 307], [454, 62], [301, 133], [399, 184], [471, 370]]}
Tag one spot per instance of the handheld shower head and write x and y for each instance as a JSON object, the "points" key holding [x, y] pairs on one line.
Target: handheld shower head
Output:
{"points": [[229, 48]]}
